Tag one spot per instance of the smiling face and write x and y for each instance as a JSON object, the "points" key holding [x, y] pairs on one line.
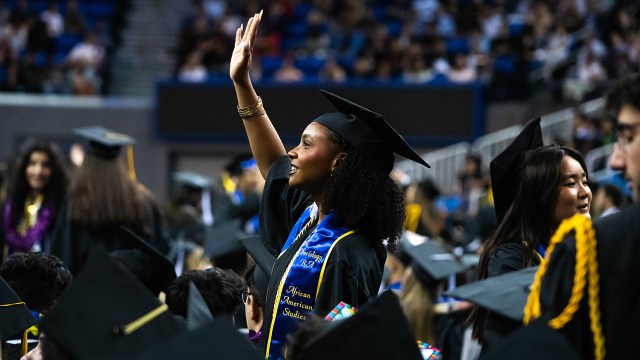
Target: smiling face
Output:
{"points": [[38, 171], [313, 160], [574, 195]]}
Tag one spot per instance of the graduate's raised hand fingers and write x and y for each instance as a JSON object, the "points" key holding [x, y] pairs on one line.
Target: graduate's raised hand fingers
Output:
{"points": [[253, 30], [239, 35]]}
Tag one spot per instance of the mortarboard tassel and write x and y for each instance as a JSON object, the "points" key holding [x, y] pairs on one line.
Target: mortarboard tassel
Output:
{"points": [[140, 322], [131, 167]]}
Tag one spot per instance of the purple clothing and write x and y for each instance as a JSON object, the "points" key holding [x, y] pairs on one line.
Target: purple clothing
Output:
{"points": [[35, 235], [254, 337]]}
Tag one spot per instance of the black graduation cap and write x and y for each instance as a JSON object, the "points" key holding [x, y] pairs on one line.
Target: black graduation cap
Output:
{"points": [[379, 330], [506, 168], [15, 317], [161, 269], [224, 239], [368, 131], [107, 314], [431, 262], [264, 262], [532, 342], [215, 340], [504, 294], [198, 313], [240, 163], [192, 179], [103, 142]]}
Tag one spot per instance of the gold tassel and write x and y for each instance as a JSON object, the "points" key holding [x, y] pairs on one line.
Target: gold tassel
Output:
{"points": [[131, 167]]}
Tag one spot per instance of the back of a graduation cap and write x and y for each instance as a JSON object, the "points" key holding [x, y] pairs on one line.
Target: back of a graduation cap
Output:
{"points": [[192, 179], [368, 131], [505, 294], [215, 340], [102, 142], [158, 271], [15, 317], [107, 314], [224, 239], [379, 330], [431, 262], [532, 342], [506, 168], [264, 262]]}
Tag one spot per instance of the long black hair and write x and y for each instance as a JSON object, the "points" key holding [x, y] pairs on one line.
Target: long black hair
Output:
{"points": [[55, 190], [364, 196], [530, 219]]}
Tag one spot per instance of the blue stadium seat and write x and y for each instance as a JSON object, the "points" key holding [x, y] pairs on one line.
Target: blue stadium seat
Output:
{"points": [[270, 64], [310, 65], [458, 45]]}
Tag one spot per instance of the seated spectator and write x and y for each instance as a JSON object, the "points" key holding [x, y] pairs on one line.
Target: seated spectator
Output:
{"points": [[193, 70], [288, 72], [74, 21], [461, 71]]}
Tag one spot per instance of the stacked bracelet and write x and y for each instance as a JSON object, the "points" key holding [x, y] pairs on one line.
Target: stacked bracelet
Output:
{"points": [[252, 110]]}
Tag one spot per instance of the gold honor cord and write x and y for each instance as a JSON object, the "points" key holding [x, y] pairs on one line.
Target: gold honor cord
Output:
{"points": [[586, 269], [131, 167], [142, 321], [13, 304]]}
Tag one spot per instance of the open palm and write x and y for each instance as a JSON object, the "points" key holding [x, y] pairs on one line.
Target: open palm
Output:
{"points": [[241, 58]]}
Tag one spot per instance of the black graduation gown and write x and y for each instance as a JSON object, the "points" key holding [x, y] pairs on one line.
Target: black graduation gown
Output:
{"points": [[73, 244], [507, 258], [618, 254], [354, 269]]}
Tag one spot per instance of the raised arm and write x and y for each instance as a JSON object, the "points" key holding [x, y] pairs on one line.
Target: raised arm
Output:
{"points": [[265, 143]]}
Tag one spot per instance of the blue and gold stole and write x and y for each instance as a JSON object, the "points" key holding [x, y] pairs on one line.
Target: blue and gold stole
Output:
{"points": [[299, 286]]}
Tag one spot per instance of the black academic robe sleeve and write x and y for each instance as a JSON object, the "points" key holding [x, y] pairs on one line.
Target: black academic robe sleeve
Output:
{"points": [[353, 274], [281, 206], [618, 254]]}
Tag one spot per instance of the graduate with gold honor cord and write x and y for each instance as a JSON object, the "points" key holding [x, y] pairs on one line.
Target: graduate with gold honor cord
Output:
{"points": [[328, 207]]}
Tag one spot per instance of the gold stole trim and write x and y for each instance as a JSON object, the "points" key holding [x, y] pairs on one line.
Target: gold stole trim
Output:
{"points": [[284, 277]]}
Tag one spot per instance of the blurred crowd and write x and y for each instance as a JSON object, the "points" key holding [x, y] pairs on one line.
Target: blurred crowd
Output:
{"points": [[59, 47], [575, 48]]}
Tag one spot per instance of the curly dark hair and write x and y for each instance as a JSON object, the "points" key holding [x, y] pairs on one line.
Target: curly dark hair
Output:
{"points": [[220, 289], [56, 189], [37, 278], [364, 196]]}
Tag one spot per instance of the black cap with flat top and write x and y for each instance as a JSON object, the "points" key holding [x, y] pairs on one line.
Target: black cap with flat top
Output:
{"points": [[532, 342], [431, 262], [215, 340], [15, 317], [504, 294], [506, 168], [107, 314], [145, 259], [192, 179], [368, 131], [379, 330], [102, 142]]}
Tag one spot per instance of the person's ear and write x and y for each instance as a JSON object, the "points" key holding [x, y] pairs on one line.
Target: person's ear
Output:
{"points": [[340, 157], [254, 312]]}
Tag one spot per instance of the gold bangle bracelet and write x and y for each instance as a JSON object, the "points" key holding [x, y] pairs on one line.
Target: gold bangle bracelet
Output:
{"points": [[250, 108]]}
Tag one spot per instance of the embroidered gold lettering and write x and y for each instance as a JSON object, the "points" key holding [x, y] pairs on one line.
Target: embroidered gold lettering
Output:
{"points": [[287, 300], [293, 291], [295, 315], [312, 254]]}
